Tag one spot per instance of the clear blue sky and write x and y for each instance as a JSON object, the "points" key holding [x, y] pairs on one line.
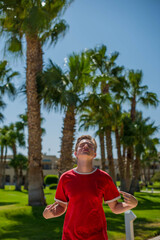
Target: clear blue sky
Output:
{"points": [[129, 27]]}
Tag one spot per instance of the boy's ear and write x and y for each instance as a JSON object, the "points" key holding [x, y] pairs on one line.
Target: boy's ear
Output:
{"points": [[75, 153]]}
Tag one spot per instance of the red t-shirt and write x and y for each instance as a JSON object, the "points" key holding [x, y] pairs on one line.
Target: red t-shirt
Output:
{"points": [[84, 194]]}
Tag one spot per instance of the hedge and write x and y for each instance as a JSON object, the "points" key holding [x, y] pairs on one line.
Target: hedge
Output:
{"points": [[50, 179], [53, 186]]}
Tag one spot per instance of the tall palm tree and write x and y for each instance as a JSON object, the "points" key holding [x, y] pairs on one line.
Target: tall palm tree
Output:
{"points": [[143, 138], [105, 73], [65, 89], [91, 116], [128, 138], [38, 22], [98, 113], [137, 93]]}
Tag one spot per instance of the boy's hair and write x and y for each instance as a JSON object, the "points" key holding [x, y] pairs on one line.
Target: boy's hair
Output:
{"points": [[86, 137]]}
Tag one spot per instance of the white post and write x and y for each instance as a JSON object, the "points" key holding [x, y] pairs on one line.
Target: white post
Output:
{"points": [[129, 218]]}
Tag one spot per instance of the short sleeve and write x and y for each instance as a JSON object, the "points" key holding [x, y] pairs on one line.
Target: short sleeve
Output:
{"points": [[61, 195], [111, 192]]}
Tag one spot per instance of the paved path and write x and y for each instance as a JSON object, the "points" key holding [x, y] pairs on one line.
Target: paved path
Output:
{"points": [[150, 191], [155, 238]]}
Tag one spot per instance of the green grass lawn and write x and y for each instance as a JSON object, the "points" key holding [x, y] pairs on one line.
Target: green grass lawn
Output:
{"points": [[155, 186], [19, 221]]}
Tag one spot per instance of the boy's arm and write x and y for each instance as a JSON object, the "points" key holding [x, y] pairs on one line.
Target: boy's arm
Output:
{"points": [[119, 207], [54, 210]]}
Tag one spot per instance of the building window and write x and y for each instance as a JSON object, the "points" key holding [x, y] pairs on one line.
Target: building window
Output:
{"points": [[46, 160], [46, 166], [7, 178], [7, 166]]}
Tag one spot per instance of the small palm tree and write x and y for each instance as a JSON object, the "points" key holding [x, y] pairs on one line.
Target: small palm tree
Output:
{"points": [[19, 162], [10, 136], [4, 146], [149, 157], [6, 85]]}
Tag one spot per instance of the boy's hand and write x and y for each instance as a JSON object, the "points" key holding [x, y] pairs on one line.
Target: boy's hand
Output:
{"points": [[129, 199], [52, 208]]}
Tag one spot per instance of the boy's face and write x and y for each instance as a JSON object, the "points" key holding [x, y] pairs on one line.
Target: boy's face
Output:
{"points": [[85, 149]]}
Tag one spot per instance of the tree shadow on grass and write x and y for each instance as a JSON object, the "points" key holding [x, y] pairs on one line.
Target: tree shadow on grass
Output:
{"points": [[7, 203], [142, 225], [28, 225], [146, 204], [142, 228], [115, 222]]}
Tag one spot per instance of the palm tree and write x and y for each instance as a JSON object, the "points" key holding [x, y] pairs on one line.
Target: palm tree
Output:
{"points": [[92, 116], [149, 157], [137, 94], [16, 138], [64, 89], [98, 113], [6, 85], [19, 162], [105, 72], [4, 146], [143, 138], [39, 22]]}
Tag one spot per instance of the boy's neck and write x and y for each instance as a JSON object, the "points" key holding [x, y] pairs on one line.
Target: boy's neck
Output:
{"points": [[84, 166]]}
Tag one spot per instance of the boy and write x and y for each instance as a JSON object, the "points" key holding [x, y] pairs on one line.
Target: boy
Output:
{"points": [[81, 191]]}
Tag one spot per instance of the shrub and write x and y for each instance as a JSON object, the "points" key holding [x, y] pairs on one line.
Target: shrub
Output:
{"points": [[49, 179], [53, 186]]}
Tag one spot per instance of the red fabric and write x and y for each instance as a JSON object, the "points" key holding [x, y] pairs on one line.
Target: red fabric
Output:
{"points": [[85, 218]]}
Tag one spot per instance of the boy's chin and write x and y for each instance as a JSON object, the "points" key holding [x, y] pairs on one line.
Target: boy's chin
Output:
{"points": [[85, 156], [85, 153]]}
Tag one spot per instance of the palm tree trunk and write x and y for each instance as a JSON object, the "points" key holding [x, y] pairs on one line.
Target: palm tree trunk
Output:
{"points": [[149, 176], [4, 168], [124, 152], [66, 160], [102, 147], [144, 172], [26, 180], [20, 179], [121, 165], [34, 66], [110, 154], [154, 167], [14, 150], [16, 179], [1, 167], [128, 168], [136, 173], [133, 108]]}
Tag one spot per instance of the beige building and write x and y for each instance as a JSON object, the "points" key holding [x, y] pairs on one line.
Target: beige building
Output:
{"points": [[50, 166]]}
